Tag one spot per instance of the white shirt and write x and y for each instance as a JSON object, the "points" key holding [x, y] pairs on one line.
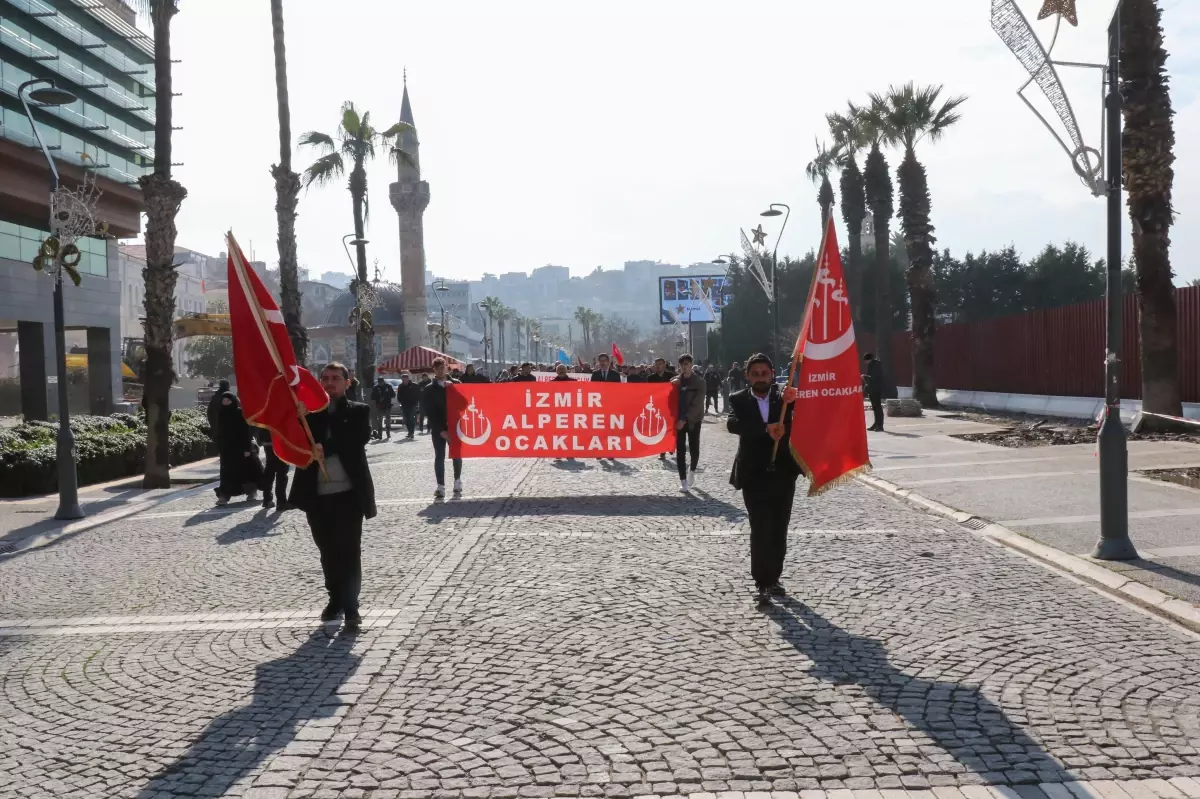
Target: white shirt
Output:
{"points": [[764, 407]]}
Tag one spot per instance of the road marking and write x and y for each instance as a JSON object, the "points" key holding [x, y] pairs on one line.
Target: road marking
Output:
{"points": [[985, 477], [1140, 514], [182, 622]]}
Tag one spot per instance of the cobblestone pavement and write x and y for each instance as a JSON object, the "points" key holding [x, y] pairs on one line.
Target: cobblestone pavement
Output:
{"points": [[579, 629]]}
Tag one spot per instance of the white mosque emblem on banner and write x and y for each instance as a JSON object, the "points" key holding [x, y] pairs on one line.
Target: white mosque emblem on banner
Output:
{"points": [[473, 427], [650, 427], [831, 327]]}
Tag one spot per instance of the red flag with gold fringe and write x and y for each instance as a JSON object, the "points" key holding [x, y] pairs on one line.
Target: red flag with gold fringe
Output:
{"points": [[829, 436], [270, 383]]}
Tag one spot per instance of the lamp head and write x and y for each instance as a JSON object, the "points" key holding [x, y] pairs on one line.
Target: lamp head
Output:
{"points": [[772, 212], [52, 96]]}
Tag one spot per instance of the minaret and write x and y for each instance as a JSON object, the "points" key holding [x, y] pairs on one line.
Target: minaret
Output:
{"points": [[410, 197]]}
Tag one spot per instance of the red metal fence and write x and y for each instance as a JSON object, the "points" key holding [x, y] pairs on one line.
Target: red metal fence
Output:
{"points": [[1059, 351]]}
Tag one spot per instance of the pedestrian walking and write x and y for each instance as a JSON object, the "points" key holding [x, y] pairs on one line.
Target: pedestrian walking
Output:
{"points": [[408, 396], [382, 394], [687, 426], [241, 473], [354, 391], [214, 408], [433, 404], [760, 418], [421, 386], [712, 388], [604, 372], [724, 394], [275, 473], [337, 494], [526, 375], [873, 383], [735, 382]]}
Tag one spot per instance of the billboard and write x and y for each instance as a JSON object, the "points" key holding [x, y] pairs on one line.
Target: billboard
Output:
{"points": [[692, 299]]}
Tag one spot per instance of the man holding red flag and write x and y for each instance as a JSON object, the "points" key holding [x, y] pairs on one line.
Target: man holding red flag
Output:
{"points": [[313, 427]]}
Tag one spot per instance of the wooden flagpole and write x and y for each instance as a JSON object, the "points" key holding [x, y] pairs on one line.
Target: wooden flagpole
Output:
{"points": [[797, 349]]}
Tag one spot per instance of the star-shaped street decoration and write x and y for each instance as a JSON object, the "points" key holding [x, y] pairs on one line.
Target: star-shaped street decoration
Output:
{"points": [[760, 235], [1064, 8]]}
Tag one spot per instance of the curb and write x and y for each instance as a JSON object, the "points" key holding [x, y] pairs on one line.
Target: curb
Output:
{"points": [[1112, 583]]}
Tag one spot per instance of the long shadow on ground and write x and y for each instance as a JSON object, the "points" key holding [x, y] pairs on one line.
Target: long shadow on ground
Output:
{"points": [[957, 718], [609, 505], [287, 692]]}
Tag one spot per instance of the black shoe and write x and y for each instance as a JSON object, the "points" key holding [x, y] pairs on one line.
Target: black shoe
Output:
{"points": [[353, 622], [268, 502], [778, 590], [763, 596], [331, 612]]}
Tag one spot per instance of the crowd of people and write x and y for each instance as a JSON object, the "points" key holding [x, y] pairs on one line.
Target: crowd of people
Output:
{"points": [[337, 493]]}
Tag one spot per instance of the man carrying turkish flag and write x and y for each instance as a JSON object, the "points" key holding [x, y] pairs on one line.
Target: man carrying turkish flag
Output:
{"points": [[271, 385], [827, 435]]}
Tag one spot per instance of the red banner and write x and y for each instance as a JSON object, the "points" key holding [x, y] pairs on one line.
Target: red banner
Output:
{"points": [[829, 437], [561, 420]]}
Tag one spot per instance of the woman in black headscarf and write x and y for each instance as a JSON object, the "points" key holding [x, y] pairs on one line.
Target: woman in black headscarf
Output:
{"points": [[241, 472]]}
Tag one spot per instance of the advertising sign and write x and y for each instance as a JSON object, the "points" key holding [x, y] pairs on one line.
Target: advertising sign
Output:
{"points": [[692, 299]]}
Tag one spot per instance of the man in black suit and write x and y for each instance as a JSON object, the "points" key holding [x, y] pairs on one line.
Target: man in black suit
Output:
{"points": [[433, 405], [604, 372], [873, 380], [760, 416], [337, 493]]}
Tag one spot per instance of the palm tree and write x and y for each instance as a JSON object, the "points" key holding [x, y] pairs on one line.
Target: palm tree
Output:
{"points": [[848, 141], [818, 171], [355, 142], [287, 193], [1147, 149], [503, 315], [492, 306], [162, 196], [586, 318], [877, 189], [908, 115]]}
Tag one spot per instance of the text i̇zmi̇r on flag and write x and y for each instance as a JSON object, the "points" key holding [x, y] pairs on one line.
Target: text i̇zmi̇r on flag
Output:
{"points": [[270, 382], [829, 437]]}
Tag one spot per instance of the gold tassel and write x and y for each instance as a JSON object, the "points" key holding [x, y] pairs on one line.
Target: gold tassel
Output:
{"points": [[845, 478]]}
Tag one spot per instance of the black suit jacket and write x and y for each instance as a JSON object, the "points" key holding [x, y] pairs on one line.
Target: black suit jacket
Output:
{"points": [[345, 434], [755, 443], [613, 376], [433, 405]]}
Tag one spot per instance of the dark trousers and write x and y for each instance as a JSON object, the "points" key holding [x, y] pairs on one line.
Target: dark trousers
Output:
{"points": [[277, 472], [877, 409], [383, 417], [439, 459], [769, 505], [336, 521], [410, 418], [687, 442], [713, 397]]}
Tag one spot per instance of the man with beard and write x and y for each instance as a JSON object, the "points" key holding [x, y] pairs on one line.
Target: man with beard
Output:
{"points": [[337, 494], [761, 417]]}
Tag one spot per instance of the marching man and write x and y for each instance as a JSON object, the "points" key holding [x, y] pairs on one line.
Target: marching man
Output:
{"points": [[758, 417]]}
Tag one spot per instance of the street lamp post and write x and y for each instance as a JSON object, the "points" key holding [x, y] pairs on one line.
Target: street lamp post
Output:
{"points": [[487, 337], [68, 479], [361, 341], [1101, 173], [438, 289], [773, 210]]}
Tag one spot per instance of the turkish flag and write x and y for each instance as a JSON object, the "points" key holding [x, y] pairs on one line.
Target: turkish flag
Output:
{"points": [[617, 356], [829, 436], [269, 381]]}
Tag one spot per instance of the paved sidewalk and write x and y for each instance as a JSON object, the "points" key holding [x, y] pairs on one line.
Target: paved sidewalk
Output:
{"points": [[580, 630], [1051, 493]]}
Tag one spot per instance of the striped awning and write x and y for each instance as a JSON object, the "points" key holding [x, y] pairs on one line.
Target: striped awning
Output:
{"points": [[417, 359]]}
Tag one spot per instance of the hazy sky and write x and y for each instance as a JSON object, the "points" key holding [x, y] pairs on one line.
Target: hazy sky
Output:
{"points": [[591, 133]]}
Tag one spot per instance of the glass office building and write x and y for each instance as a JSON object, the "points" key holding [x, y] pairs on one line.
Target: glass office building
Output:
{"points": [[95, 50]]}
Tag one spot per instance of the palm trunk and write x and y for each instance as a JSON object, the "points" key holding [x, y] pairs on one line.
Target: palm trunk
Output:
{"points": [[1148, 153], [825, 198], [364, 352], [163, 197], [919, 240], [287, 193], [877, 186], [853, 213]]}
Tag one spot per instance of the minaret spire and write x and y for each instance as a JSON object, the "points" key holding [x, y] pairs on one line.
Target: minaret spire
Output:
{"points": [[410, 196]]}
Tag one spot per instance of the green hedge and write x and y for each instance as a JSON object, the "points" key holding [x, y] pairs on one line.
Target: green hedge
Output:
{"points": [[107, 448]]}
